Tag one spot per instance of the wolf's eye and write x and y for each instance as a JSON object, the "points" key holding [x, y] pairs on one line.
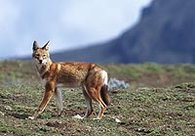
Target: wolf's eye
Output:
{"points": [[44, 56], [37, 55]]}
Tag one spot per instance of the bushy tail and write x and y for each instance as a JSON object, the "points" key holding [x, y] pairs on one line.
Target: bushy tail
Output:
{"points": [[105, 94]]}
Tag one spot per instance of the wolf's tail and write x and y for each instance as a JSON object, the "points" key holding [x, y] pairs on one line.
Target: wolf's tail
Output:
{"points": [[105, 94]]}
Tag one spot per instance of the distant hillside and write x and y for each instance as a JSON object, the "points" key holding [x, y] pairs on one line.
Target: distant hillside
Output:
{"points": [[165, 34]]}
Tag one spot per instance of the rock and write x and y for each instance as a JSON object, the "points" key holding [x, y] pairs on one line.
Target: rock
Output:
{"points": [[8, 107], [115, 84], [2, 114], [77, 117]]}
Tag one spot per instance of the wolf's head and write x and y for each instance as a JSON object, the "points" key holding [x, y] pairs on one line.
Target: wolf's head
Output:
{"points": [[41, 54]]}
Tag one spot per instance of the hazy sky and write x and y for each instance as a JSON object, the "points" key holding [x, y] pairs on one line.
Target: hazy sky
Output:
{"points": [[66, 23]]}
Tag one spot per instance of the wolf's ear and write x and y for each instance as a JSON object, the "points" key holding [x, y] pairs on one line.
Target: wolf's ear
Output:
{"points": [[46, 46], [35, 45]]}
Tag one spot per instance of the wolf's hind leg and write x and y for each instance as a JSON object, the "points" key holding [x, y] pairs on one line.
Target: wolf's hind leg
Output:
{"points": [[94, 93]]}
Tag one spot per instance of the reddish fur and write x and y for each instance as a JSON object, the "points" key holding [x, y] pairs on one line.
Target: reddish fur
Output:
{"points": [[71, 74]]}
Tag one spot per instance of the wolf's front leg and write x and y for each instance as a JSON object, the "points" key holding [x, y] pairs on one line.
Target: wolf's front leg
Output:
{"points": [[59, 101], [47, 97]]}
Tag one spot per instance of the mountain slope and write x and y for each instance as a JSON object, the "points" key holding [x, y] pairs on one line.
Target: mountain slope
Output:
{"points": [[164, 34]]}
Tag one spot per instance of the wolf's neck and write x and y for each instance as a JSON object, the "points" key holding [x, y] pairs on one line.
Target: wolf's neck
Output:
{"points": [[44, 68]]}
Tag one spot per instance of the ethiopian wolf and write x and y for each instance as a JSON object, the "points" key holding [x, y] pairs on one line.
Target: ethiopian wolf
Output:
{"points": [[89, 76]]}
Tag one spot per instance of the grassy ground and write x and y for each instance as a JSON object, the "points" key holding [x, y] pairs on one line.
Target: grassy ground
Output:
{"points": [[160, 101]]}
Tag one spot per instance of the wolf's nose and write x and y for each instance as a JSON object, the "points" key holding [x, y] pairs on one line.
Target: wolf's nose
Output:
{"points": [[40, 61]]}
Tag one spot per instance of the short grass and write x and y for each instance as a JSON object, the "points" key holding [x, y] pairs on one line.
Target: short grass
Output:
{"points": [[148, 107]]}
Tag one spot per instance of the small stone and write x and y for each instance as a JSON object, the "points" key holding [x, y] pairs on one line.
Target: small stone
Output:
{"points": [[2, 114], [117, 120], [8, 108], [77, 117]]}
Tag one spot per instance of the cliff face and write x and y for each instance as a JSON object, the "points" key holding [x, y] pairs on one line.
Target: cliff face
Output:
{"points": [[164, 34]]}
